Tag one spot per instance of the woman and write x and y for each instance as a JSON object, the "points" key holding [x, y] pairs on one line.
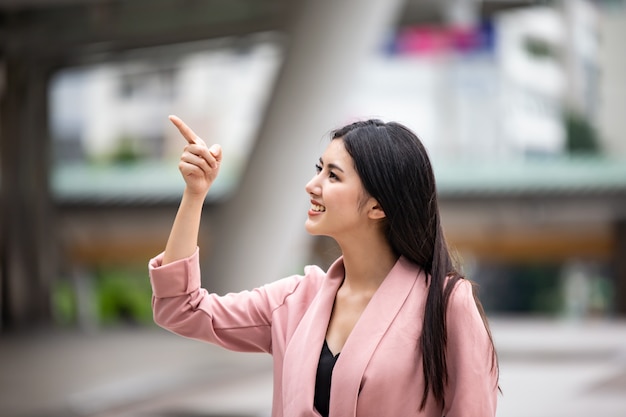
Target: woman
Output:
{"points": [[391, 329]]}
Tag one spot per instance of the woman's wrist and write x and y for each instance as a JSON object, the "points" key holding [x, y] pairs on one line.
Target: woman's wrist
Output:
{"points": [[194, 196]]}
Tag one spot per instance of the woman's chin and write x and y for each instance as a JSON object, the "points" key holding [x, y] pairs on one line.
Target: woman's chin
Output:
{"points": [[311, 228]]}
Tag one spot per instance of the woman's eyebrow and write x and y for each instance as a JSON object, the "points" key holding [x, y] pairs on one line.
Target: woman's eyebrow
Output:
{"points": [[331, 166]]}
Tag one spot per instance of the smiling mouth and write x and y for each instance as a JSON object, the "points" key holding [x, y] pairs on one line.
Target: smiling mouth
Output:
{"points": [[317, 208]]}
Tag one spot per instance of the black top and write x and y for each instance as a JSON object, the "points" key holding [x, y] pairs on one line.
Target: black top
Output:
{"points": [[323, 378]]}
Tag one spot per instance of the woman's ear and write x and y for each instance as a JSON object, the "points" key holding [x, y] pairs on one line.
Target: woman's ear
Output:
{"points": [[375, 212]]}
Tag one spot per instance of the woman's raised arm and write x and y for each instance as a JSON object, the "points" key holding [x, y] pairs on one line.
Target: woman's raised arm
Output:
{"points": [[199, 166]]}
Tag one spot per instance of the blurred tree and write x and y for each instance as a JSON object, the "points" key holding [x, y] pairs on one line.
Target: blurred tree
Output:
{"points": [[126, 151], [581, 136], [123, 296], [540, 48]]}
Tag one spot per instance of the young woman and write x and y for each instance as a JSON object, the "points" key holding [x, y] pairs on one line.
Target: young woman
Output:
{"points": [[391, 329]]}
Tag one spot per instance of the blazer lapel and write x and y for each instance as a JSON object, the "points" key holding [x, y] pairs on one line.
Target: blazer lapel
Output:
{"points": [[366, 335], [303, 351]]}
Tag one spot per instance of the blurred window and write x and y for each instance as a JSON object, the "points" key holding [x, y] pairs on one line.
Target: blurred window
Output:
{"points": [[112, 139]]}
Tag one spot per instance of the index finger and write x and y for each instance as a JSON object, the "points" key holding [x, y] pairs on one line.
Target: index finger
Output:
{"points": [[185, 130]]}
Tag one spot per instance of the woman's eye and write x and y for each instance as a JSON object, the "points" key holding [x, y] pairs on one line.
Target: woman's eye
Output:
{"points": [[331, 174]]}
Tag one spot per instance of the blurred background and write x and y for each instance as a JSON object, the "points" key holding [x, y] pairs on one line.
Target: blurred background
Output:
{"points": [[521, 105]]}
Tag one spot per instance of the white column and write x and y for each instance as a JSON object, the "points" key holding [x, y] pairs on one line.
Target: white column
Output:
{"points": [[259, 235], [611, 122]]}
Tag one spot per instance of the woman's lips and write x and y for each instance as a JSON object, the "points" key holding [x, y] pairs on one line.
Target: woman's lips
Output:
{"points": [[316, 208]]}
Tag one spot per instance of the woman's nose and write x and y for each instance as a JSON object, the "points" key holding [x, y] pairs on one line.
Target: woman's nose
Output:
{"points": [[312, 187]]}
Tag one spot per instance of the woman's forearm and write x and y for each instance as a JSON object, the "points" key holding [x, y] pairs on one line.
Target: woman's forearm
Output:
{"points": [[199, 166], [183, 238]]}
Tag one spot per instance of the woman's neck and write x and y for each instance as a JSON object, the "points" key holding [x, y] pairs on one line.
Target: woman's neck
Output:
{"points": [[366, 264]]}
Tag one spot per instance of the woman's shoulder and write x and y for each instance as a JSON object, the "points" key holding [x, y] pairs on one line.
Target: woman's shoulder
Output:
{"points": [[307, 282], [314, 273], [313, 278], [317, 275], [463, 300], [294, 292], [459, 287]]}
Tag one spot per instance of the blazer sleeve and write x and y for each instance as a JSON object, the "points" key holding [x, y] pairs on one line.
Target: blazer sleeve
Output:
{"points": [[472, 366], [236, 321]]}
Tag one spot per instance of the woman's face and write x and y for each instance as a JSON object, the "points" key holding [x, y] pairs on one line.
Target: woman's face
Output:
{"points": [[339, 203]]}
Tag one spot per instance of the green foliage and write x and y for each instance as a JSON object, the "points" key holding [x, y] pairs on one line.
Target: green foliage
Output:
{"points": [[123, 295], [539, 48], [120, 295], [582, 138], [63, 303], [125, 152]]}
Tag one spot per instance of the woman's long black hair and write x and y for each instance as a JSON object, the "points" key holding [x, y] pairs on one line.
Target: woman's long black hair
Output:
{"points": [[395, 169]]}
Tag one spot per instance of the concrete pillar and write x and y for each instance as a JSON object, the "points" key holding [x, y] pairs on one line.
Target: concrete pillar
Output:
{"points": [[27, 257], [611, 122], [259, 234]]}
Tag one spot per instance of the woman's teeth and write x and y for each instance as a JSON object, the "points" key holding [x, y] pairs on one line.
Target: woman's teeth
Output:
{"points": [[315, 207]]}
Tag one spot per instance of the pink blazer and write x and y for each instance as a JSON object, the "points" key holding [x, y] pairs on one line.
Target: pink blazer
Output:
{"points": [[379, 371]]}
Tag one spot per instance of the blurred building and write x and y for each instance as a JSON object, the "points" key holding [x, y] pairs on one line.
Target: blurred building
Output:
{"points": [[486, 84]]}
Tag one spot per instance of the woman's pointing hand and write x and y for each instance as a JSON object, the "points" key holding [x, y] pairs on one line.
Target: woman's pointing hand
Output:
{"points": [[198, 164]]}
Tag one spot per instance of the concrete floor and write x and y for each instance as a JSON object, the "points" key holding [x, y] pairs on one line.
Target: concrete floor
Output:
{"points": [[548, 369]]}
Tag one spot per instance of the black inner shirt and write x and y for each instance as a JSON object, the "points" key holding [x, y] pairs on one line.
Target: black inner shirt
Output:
{"points": [[323, 378]]}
